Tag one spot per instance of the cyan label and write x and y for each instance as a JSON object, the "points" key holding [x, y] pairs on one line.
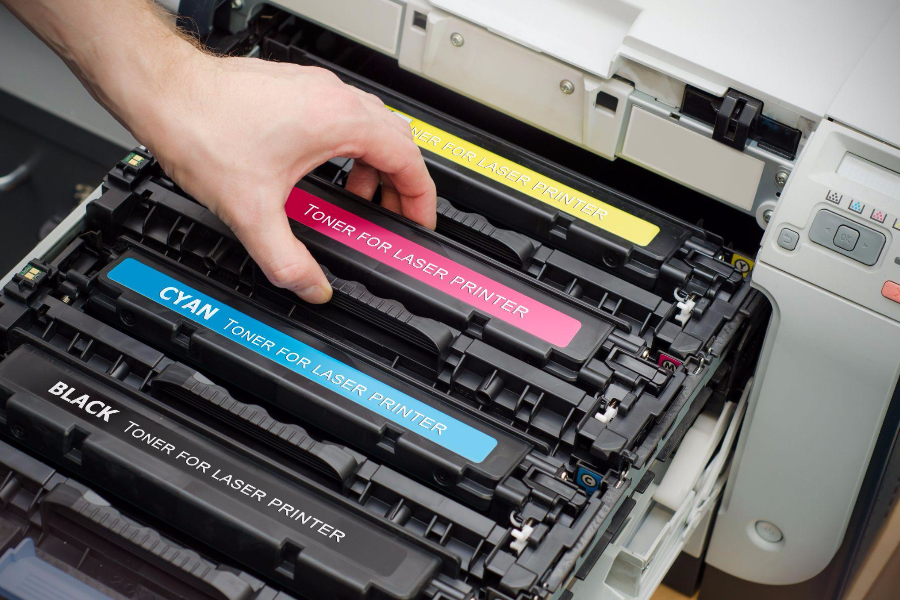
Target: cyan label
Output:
{"points": [[314, 365]]}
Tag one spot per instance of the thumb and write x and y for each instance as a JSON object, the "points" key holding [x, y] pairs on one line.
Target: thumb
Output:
{"points": [[283, 258]]}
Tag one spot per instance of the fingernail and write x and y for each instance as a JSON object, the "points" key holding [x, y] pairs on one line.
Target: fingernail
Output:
{"points": [[316, 294]]}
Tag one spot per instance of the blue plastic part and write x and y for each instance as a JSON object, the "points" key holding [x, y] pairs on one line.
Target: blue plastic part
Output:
{"points": [[24, 576], [584, 477]]}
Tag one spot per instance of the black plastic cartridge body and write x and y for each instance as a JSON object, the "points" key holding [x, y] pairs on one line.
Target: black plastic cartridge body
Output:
{"points": [[326, 386], [211, 491], [473, 408], [522, 191], [65, 540]]}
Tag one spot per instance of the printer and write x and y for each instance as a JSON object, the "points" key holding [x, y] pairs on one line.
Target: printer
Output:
{"points": [[654, 337]]}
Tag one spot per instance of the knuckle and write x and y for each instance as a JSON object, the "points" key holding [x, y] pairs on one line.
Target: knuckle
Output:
{"points": [[378, 101], [295, 275], [322, 73], [346, 101], [401, 126]]}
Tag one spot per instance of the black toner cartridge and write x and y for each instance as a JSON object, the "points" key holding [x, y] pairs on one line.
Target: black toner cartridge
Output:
{"points": [[161, 438], [66, 541], [150, 460]]}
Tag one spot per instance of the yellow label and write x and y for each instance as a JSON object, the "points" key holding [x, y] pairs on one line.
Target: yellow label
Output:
{"points": [[744, 264], [531, 183]]}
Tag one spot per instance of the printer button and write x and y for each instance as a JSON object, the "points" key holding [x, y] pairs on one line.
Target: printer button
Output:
{"points": [[846, 238], [769, 532], [788, 239], [891, 291]]}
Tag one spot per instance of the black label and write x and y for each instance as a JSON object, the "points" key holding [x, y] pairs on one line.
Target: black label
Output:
{"points": [[222, 471]]}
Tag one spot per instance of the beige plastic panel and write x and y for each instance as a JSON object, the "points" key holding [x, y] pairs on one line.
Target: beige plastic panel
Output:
{"points": [[692, 159], [505, 75], [372, 22]]}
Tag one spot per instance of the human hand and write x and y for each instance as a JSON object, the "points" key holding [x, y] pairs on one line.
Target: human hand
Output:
{"points": [[235, 133], [238, 133]]}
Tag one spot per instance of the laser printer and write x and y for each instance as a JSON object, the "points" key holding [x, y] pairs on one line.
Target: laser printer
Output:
{"points": [[653, 338]]}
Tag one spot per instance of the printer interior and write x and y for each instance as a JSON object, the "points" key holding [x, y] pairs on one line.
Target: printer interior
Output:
{"points": [[492, 410]]}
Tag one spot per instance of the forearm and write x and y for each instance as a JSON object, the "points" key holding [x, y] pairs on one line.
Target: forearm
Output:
{"points": [[125, 52], [235, 133]]}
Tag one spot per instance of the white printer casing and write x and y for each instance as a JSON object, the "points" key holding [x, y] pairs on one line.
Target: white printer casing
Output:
{"points": [[827, 378]]}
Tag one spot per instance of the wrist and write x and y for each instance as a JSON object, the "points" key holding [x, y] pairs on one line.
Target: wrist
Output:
{"points": [[134, 65], [155, 102], [145, 94]]}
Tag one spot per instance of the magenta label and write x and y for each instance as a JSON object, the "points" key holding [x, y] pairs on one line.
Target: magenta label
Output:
{"points": [[441, 273], [668, 362]]}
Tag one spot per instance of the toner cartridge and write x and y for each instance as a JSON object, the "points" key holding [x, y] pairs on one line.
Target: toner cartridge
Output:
{"points": [[64, 540], [521, 191], [427, 341], [371, 408], [481, 424], [149, 459]]}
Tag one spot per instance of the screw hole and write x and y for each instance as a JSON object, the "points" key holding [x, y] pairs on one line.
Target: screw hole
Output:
{"points": [[611, 259], [127, 317], [442, 477]]}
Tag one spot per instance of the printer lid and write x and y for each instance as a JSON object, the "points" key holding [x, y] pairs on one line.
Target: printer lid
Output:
{"points": [[799, 56], [868, 99]]}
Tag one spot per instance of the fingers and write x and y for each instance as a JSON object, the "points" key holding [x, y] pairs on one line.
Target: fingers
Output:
{"points": [[422, 209], [363, 180], [388, 148], [283, 258], [390, 199]]}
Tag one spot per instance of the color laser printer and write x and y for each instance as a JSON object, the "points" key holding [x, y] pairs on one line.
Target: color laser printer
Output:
{"points": [[653, 338]]}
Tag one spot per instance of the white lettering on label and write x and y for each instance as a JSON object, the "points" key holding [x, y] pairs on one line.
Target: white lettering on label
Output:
{"points": [[155, 442], [230, 481], [187, 302], [318, 525], [477, 291], [391, 405], [95, 408]]}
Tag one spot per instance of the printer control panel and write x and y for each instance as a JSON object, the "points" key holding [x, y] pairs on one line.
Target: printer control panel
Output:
{"points": [[828, 370], [837, 224]]}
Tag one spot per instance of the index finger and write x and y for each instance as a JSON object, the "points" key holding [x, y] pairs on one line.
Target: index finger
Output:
{"points": [[387, 149]]}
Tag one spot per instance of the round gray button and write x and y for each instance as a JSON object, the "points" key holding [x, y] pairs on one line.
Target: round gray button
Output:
{"points": [[769, 532]]}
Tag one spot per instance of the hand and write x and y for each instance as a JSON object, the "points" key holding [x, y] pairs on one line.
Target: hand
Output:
{"points": [[235, 133], [238, 133]]}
